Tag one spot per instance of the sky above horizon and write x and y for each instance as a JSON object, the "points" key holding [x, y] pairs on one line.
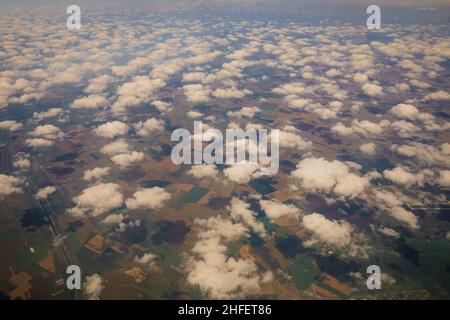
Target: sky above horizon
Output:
{"points": [[425, 3]]}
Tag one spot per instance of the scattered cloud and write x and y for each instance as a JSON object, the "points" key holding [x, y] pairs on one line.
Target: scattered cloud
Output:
{"points": [[10, 125], [150, 198], [50, 113], [275, 209], [242, 172], [90, 102], [112, 129], [93, 286], [125, 160], [146, 128], [97, 200], [43, 193], [96, 173], [203, 171], [318, 174], [368, 149], [9, 185], [216, 274], [115, 147], [240, 211]]}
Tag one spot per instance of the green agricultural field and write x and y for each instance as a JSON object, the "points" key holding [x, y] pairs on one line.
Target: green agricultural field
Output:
{"points": [[192, 196], [166, 253], [73, 242], [9, 235], [95, 156], [234, 247], [24, 258], [262, 186], [332, 290], [304, 272], [155, 183]]}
